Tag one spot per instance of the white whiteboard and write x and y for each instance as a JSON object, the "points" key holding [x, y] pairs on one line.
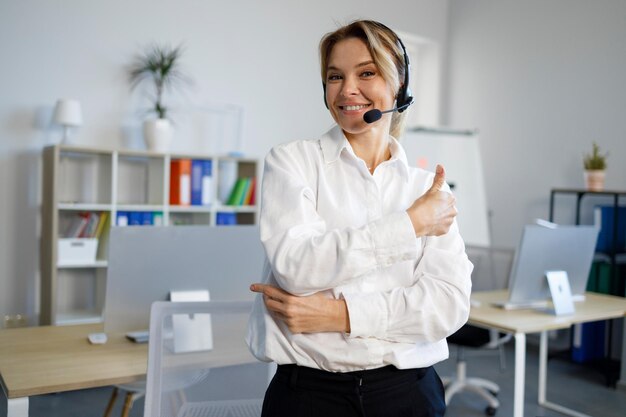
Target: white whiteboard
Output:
{"points": [[459, 153]]}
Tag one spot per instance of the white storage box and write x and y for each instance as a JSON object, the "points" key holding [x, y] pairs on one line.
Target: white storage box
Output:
{"points": [[74, 251]]}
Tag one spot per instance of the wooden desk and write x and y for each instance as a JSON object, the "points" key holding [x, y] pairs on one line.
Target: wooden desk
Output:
{"points": [[47, 359], [41, 360], [521, 322]]}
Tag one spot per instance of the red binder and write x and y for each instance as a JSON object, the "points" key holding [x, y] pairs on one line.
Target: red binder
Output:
{"points": [[180, 182]]}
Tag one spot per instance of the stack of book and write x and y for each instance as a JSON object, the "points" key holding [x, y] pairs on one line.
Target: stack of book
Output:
{"points": [[139, 218], [226, 219], [87, 225], [191, 182], [243, 193]]}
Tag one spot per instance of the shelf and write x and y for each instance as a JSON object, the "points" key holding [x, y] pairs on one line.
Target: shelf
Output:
{"points": [[85, 207], [583, 191], [139, 207], [191, 209], [97, 264], [140, 180], [83, 149], [83, 176], [236, 209], [580, 193]]}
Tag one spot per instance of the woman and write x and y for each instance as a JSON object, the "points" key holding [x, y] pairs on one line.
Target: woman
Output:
{"points": [[367, 274]]}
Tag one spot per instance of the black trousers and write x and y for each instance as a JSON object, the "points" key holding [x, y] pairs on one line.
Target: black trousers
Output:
{"points": [[297, 391]]}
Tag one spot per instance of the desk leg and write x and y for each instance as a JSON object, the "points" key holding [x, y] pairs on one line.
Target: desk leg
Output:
{"points": [[520, 372], [16, 407], [543, 381], [543, 367], [621, 384]]}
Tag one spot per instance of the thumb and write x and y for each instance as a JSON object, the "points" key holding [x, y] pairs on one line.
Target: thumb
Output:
{"points": [[440, 178]]}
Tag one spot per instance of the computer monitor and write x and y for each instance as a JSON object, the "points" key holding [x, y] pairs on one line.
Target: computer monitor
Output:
{"points": [[541, 249], [147, 263]]}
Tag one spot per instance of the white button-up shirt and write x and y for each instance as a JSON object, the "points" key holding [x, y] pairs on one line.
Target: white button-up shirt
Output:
{"points": [[329, 226]]}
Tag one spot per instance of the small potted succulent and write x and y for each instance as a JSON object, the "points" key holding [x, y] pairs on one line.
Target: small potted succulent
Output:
{"points": [[159, 65], [595, 166]]}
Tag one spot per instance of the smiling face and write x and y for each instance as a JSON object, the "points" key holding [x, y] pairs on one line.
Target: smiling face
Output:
{"points": [[354, 85]]}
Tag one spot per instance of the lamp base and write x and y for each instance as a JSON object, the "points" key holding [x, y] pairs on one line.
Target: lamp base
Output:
{"points": [[65, 140]]}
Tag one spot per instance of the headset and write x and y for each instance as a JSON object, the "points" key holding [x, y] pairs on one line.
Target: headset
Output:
{"points": [[404, 98]]}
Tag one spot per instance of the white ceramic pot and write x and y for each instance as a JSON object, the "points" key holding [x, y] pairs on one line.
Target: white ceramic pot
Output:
{"points": [[594, 179], [158, 134]]}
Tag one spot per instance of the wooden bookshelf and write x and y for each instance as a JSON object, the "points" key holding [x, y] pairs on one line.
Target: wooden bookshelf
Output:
{"points": [[78, 179]]}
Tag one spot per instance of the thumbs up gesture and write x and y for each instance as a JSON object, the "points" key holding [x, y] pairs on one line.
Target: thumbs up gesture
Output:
{"points": [[433, 213]]}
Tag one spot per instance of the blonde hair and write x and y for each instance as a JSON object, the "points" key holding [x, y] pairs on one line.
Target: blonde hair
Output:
{"points": [[386, 52]]}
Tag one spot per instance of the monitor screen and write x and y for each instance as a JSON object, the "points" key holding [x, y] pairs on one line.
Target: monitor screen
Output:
{"points": [[147, 263], [541, 249]]}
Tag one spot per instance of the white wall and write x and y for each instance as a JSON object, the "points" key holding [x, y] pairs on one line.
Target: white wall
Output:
{"points": [[541, 80], [260, 55]]}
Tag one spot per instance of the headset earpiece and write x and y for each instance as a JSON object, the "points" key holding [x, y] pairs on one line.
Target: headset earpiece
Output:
{"points": [[324, 88], [405, 97]]}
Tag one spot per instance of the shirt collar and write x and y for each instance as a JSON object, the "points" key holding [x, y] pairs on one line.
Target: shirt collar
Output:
{"points": [[334, 141]]}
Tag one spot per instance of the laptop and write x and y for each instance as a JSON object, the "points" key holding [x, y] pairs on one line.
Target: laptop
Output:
{"points": [[541, 249]]}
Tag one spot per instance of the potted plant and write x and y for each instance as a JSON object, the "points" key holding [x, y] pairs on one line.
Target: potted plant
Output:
{"points": [[595, 165], [159, 65]]}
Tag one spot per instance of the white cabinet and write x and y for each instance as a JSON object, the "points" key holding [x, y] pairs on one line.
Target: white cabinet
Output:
{"points": [[92, 190]]}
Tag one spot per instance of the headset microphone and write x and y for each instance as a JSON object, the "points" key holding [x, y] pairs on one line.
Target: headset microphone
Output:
{"points": [[374, 115]]}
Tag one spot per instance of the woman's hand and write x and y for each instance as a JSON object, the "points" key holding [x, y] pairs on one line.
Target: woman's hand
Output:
{"points": [[309, 314], [433, 213]]}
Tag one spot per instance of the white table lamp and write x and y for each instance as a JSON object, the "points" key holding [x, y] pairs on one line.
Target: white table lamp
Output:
{"points": [[68, 113]]}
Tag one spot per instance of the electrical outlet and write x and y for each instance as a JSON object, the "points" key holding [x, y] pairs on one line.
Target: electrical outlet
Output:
{"points": [[15, 320]]}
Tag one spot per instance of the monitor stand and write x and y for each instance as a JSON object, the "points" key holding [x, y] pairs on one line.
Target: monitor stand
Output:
{"points": [[560, 292]]}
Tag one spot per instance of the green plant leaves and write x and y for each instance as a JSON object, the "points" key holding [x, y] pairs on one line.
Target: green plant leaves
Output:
{"points": [[161, 65]]}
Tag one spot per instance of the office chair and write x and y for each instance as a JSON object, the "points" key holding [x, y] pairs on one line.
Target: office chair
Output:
{"points": [[491, 271], [134, 391], [215, 378], [477, 338]]}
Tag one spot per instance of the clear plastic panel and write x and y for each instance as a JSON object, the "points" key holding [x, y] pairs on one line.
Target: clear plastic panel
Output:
{"points": [[492, 267], [214, 374]]}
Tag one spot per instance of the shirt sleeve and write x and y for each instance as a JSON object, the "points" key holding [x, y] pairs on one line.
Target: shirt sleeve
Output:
{"points": [[305, 256], [433, 308]]}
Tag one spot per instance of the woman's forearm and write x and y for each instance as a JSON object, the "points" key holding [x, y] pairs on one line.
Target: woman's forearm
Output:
{"points": [[308, 314]]}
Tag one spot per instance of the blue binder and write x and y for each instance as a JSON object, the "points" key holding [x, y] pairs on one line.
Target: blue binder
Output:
{"points": [[196, 182], [201, 182], [226, 219], [122, 218], [134, 218], [146, 218], [603, 217], [588, 341]]}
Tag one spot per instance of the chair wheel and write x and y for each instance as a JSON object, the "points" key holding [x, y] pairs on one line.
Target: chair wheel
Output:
{"points": [[490, 411]]}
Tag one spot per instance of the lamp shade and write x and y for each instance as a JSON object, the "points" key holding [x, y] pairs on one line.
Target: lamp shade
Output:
{"points": [[67, 112]]}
